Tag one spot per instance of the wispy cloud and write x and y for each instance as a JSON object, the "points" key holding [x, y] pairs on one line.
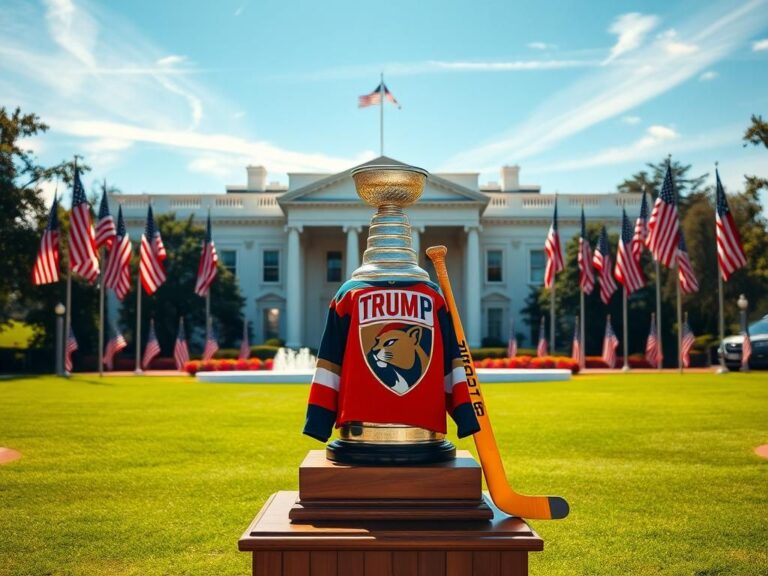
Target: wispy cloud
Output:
{"points": [[631, 30], [541, 46], [760, 45], [671, 44], [509, 66], [631, 120], [613, 90], [708, 76]]}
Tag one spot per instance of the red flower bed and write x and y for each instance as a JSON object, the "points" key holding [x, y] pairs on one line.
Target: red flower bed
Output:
{"points": [[226, 365], [526, 362]]}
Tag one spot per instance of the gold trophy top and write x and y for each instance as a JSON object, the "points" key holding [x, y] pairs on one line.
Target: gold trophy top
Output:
{"points": [[387, 184]]}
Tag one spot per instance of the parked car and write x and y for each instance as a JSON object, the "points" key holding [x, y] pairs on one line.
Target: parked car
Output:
{"points": [[758, 335]]}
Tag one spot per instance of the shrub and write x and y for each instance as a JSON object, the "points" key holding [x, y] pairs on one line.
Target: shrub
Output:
{"points": [[264, 351], [192, 367]]}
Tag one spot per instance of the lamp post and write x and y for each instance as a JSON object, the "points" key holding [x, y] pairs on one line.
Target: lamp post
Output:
{"points": [[743, 303], [60, 309]]}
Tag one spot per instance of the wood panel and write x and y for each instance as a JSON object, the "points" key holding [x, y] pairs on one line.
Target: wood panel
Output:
{"points": [[458, 563], [351, 563], [323, 563], [378, 564], [405, 563], [267, 564], [486, 563], [514, 564], [296, 564], [431, 563]]}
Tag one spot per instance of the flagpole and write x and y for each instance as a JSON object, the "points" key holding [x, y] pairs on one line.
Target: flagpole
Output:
{"points": [[381, 114], [552, 317], [723, 369], [658, 315], [207, 308], [68, 316], [101, 314], [625, 334], [581, 327], [679, 321], [138, 324]]}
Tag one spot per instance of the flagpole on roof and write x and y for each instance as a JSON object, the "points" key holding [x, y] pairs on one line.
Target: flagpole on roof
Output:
{"points": [[381, 114], [722, 369]]}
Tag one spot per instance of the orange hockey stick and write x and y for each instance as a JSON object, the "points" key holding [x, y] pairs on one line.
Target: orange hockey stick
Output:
{"points": [[535, 507]]}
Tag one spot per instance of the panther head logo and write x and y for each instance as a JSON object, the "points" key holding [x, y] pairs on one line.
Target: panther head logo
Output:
{"points": [[397, 355]]}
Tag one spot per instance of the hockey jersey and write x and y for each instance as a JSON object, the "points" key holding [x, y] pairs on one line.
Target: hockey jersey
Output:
{"points": [[389, 355]]}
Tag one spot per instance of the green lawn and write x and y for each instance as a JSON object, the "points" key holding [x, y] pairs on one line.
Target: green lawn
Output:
{"points": [[161, 475]]}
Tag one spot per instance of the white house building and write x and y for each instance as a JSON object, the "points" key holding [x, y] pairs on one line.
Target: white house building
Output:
{"points": [[290, 247]]}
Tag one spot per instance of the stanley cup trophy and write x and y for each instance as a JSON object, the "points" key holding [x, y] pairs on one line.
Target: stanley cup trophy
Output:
{"points": [[389, 367]]}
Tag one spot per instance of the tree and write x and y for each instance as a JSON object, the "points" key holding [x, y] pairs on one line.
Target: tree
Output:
{"points": [[756, 134], [651, 182], [176, 297]]}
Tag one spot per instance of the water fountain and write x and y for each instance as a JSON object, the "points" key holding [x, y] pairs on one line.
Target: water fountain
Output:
{"points": [[290, 367]]}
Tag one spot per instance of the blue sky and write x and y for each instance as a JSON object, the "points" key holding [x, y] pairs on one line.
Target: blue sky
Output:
{"points": [[179, 97]]}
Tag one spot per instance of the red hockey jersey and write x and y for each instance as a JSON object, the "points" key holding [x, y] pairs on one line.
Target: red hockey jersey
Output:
{"points": [[389, 355]]}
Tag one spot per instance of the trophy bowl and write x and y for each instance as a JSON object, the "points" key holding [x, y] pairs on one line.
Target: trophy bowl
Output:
{"points": [[384, 184]]}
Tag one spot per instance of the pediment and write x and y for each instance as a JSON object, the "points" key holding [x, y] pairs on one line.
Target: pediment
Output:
{"points": [[340, 189]]}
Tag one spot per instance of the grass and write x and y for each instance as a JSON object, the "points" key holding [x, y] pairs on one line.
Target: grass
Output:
{"points": [[146, 476]]}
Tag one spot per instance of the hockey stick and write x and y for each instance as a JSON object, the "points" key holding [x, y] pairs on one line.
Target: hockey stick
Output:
{"points": [[509, 501]]}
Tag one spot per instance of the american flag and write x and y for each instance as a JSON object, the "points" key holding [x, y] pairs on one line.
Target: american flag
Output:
{"points": [[512, 341], [664, 226], [610, 343], [105, 226], [541, 348], [211, 345], [746, 349], [117, 275], [688, 341], [554, 253], [46, 268], [245, 347], [602, 262], [206, 270], [180, 349], [151, 269], [730, 252], [628, 271], [586, 274], [688, 282], [152, 349], [577, 350], [82, 242], [70, 347], [115, 345], [641, 229], [375, 97], [652, 351]]}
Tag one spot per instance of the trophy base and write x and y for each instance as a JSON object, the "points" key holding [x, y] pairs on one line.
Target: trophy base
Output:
{"points": [[345, 452]]}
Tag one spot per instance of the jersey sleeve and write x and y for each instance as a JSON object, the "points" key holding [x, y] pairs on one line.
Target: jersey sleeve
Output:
{"points": [[324, 392], [457, 401]]}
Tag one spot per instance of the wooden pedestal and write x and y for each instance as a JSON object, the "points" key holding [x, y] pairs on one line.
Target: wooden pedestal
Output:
{"points": [[429, 520]]}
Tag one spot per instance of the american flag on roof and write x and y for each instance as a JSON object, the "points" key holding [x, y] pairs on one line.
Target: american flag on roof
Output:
{"points": [[577, 350], [152, 251], [70, 347], [115, 345], [375, 97], [117, 275], [245, 347], [652, 350], [512, 341], [610, 343], [152, 349], [180, 348], [541, 348], [688, 282], [628, 271], [602, 262], [105, 225], [664, 225], [730, 252], [211, 345], [641, 228], [46, 268], [586, 274], [83, 259], [206, 270], [688, 340], [553, 251]]}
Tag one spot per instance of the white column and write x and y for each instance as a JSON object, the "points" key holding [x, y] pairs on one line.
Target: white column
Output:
{"points": [[353, 249], [293, 288], [416, 232], [472, 286]]}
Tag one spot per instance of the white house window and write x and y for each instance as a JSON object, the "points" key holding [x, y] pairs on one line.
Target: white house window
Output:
{"points": [[271, 323], [493, 266], [228, 259], [538, 262], [495, 318], [271, 266], [333, 267]]}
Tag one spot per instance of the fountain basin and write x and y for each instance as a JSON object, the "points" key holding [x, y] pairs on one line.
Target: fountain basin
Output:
{"points": [[486, 375]]}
